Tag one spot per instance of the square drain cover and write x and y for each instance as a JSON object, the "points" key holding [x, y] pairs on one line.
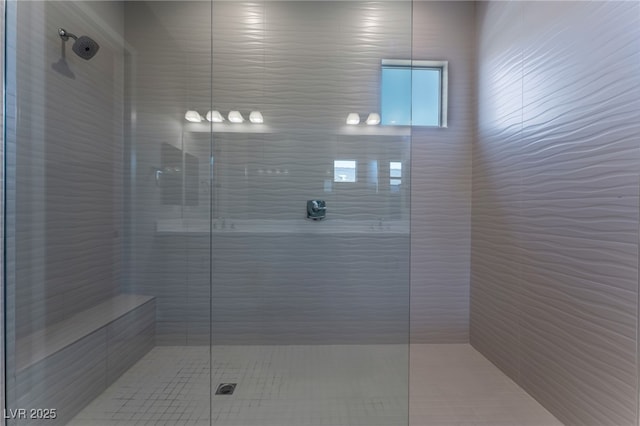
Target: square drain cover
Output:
{"points": [[226, 388]]}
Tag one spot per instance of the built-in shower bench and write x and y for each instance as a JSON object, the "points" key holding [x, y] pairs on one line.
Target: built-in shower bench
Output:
{"points": [[68, 364]]}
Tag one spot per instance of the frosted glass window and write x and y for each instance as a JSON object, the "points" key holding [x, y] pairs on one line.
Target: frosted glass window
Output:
{"points": [[344, 171], [425, 97], [413, 93], [396, 97]]}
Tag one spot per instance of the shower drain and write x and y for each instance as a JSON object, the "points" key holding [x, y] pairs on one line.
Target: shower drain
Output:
{"points": [[226, 388]]}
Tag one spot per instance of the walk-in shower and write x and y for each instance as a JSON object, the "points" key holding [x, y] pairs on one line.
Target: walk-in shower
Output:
{"points": [[240, 213], [166, 269]]}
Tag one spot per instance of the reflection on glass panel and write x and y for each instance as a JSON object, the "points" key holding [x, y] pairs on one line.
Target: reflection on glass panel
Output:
{"points": [[395, 175], [344, 171], [373, 175], [395, 169]]}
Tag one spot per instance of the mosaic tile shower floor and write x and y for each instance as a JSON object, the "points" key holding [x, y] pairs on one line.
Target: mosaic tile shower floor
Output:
{"points": [[320, 385]]}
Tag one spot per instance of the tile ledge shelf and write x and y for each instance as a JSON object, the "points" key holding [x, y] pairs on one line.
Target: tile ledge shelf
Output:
{"points": [[43, 343], [275, 226]]}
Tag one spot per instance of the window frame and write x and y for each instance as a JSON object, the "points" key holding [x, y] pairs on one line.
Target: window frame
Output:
{"points": [[441, 66]]}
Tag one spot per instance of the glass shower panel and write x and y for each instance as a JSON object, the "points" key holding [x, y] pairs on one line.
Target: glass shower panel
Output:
{"points": [[2, 206], [310, 317], [72, 327], [108, 278]]}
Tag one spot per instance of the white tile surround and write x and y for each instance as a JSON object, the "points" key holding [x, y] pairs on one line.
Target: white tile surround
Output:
{"points": [[554, 270], [329, 385]]}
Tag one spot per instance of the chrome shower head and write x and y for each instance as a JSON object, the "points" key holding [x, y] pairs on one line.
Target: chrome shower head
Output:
{"points": [[83, 46]]}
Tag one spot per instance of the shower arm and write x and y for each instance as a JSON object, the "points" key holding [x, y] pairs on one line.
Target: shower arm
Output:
{"points": [[64, 34]]}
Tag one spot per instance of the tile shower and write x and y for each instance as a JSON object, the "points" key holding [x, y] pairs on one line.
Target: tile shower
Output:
{"points": [[156, 247]]}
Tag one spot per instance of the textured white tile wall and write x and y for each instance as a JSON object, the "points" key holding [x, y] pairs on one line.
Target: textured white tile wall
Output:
{"points": [[160, 70], [305, 65], [68, 161], [496, 187], [441, 180], [555, 204], [64, 195]]}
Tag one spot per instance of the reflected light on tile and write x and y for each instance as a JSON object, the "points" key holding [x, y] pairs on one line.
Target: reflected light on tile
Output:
{"points": [[215, 117], [235, 117], [353, 118], [256, 117], [373, 119], [193, 116]]}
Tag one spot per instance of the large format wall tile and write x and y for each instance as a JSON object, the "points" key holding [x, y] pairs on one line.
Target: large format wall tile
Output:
{"points": [[559, 201]]}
